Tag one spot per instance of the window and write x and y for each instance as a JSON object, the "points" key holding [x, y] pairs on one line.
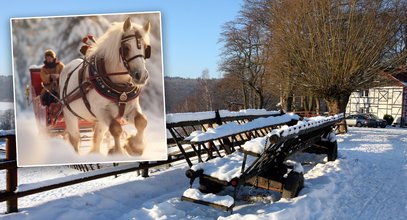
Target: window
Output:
{"points": [[363, 110], [364, 93]]}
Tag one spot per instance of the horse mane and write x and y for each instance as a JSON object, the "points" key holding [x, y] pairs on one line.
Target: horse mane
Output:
{"points": [[109, 43]]}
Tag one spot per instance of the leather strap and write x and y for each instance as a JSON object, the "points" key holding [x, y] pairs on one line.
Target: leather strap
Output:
{"points": [[79, 92], [65, 97], [84, 89]]}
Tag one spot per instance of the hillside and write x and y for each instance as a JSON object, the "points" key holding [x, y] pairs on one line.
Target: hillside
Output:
{"points": [[6, 91], [177, 89]]}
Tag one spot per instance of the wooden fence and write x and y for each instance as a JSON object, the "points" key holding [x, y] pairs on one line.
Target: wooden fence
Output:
{"points": [[12, 193]]}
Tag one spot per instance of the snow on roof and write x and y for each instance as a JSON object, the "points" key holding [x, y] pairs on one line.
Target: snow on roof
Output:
{"points": [[225, 200], [198, 116], [235, 128], [35, 67]]}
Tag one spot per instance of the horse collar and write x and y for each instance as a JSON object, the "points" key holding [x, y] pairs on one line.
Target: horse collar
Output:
{"points": [[120, 94]]}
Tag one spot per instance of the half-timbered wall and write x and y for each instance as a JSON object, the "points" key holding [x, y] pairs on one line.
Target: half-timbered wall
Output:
{"points": [[380, 101]]}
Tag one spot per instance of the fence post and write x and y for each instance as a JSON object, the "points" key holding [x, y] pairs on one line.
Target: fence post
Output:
{"points": [[144, 170], [11, 174]]}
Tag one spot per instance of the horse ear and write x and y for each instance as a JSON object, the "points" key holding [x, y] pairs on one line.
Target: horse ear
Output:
{"points": [[147, 27], [127, 24]]}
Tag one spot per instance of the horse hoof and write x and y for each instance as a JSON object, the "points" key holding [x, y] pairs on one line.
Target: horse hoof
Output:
{"points": [[134, 146], [134, 151], [113, 151], [94, 152]]}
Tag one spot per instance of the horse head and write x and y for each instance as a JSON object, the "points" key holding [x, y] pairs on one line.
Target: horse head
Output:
{"points": [[135, 49]]}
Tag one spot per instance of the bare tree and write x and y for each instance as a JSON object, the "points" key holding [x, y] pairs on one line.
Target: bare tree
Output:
{"points": [[244, 53], [332, 48], [7, 120], [205, 90]]}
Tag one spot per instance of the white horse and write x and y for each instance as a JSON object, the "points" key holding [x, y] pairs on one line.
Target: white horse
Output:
{"points": [[124, 48]]}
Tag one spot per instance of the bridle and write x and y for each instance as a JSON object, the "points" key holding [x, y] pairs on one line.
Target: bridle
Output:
{"points": [[126, 61]]}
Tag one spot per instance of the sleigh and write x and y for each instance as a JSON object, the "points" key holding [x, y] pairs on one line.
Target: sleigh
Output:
{"points": [[48, 117]]}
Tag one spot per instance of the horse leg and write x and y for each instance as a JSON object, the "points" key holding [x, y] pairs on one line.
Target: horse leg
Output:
{"points": [[100, 130], [116, 130], [72, 129], [135, 145]]}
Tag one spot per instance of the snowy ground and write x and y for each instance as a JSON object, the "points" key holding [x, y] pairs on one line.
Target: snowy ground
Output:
{"points": [[34, 149], [368, 181]]}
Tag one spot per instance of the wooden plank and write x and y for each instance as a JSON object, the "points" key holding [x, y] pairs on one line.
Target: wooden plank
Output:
{"points": [[213, 205], [7, 164], [265, 183]]}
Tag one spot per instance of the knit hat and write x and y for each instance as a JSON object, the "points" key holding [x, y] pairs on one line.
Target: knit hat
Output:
{"points": [[50, 53]]}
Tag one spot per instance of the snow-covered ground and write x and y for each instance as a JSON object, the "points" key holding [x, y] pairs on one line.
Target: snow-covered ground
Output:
{"points": [[34, 149], [6, 105], [368, 181]]}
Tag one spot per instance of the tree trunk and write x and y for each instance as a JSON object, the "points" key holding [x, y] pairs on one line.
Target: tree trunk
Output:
{"points": [[244, 96], [289, 103], [338, 105], [310, 103]]}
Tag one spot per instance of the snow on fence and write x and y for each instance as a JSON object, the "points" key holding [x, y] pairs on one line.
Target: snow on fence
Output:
{"points": [[235, 128], [200, 116]]}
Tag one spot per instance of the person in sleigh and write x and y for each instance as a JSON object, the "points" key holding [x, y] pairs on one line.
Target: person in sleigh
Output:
{"points": [[50, 77]]}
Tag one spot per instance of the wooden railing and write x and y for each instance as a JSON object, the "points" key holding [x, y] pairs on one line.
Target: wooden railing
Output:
{"points": [[11, 195], [10, 165]]}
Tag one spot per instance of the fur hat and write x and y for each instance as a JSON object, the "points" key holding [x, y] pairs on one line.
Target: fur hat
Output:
{"points": [[50, 53]]}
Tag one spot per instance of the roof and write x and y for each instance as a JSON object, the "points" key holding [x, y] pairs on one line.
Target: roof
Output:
{"points": [[402, 77], [398, 75]]}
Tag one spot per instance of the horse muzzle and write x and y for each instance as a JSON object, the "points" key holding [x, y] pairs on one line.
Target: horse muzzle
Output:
{"points": [[140, 78]]}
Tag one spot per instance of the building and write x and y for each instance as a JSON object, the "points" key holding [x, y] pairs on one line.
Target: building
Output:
{"points": [[390, 99]]}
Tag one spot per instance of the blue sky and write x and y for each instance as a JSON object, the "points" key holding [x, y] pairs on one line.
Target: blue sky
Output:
{"points": [[191, 28]]}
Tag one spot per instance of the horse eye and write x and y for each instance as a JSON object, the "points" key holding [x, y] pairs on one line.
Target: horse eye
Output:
{"points": [[126, 50]]}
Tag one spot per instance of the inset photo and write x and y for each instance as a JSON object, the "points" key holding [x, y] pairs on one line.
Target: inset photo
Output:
{"points": [[89, 89]]}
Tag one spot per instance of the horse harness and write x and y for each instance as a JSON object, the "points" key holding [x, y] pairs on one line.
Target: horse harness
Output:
{"points": [[99, 80]]}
